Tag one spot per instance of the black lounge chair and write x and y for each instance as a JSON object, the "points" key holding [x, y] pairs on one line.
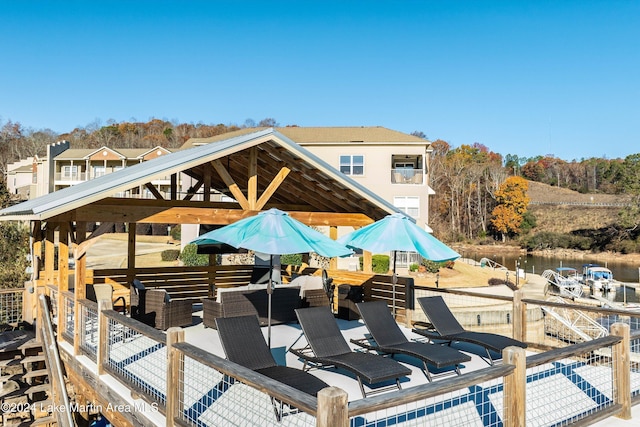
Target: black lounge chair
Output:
{"points": [[388, 338], [447, 328], [244, 344], [327, 347]]}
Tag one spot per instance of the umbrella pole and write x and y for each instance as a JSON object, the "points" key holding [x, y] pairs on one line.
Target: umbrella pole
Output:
{"points": [[269, 292], [394, 280]]}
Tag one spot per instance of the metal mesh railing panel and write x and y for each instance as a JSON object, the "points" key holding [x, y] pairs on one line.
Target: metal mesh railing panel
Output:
{"points": [[68, 314], [465, 407], [139, 360], [88, 333], [635, 365], [213, 399], [53, 299], [584, 382], [11, 306]]}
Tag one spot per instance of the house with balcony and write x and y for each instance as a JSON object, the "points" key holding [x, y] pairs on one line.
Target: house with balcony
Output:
{"points": [[392, 164], [74, 166], [63, 167]]}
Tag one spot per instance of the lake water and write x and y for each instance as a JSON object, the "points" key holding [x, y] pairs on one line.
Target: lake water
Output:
{"points": [[624, 272]]}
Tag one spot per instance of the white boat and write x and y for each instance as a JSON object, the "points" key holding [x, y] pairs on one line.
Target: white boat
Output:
{"points": [[599, 279]]}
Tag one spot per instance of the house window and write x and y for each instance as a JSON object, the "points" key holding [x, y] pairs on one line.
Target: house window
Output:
{"points": [[70, 172], [408, 204], [352, 165]]}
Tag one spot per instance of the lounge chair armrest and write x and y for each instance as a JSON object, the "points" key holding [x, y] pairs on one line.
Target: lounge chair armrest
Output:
{"points": [[365, 343], [423, 325]]}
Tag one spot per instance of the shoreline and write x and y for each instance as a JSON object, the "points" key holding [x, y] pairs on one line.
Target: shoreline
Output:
{"points": [[553, 253]]}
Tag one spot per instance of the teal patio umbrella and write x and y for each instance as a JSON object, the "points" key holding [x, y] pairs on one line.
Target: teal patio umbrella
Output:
{"points": [[274, 232], [396, 232]]}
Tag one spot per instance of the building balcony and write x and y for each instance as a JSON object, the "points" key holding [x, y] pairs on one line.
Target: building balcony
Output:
{"points": [[407, 176]]}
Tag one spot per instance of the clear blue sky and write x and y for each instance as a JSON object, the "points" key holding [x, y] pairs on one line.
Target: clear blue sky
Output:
{"points": [[521, 77]]}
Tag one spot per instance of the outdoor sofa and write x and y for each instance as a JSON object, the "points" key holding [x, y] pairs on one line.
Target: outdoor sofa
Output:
{"points": [[252, 300]]}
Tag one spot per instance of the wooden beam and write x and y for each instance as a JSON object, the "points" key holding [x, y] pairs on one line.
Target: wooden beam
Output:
{"points": [[49, 253], [333, 234], [80, 289], [165, 212], [174, 186], [273, 186], [152, 188], [193, 190], [207, 183], [231, 184], [252, 182]]}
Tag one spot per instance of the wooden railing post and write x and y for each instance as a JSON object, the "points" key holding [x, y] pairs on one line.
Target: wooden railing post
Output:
{"points": [[519, 317], [333, 408], [103, 334], [515, 388], [175, 375], [622, 369]]}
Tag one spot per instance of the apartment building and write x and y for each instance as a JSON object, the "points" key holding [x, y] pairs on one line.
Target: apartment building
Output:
{"points": [[64, 166], [392, 164]]}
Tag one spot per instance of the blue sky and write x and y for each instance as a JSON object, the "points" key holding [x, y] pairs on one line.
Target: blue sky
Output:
{"points": [[521, 77]]}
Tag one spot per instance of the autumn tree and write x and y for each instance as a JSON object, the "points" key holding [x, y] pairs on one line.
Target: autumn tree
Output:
{"points": [[464, 179], [512, 205]]}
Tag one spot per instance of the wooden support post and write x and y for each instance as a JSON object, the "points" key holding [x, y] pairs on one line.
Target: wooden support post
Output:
{"points": [[367, 262], [80, 284], [515, 388], [174, 186], [175, 375], [622, 369], [49, 254], [131, 253], [206, 183], [252, 184], [519, 317], [103, 334], [333, 408], [333, 234], [63, 274]]}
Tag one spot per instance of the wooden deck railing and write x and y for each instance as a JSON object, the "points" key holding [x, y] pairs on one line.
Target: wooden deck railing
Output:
{"points": [[178, 378]]}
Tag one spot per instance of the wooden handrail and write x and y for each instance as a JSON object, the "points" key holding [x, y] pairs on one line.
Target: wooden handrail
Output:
{"points": [[267, 385], [427, 391]]}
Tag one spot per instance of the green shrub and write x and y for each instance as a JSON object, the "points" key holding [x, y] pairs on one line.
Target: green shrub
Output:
{"points": [[380, 264], [14, 247], [413, 267], [291, 259], [190, 256], [170, 254], [176, 232], [431, 266]]}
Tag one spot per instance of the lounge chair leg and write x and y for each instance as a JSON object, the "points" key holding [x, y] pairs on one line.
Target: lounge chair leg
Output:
{"points": [[398, 383], [362, 387], [490, 359], [277, 408], [426, 372], [458, 370]]}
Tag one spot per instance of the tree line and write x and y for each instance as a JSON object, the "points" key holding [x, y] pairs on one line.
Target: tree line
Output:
{"points": [[480, 194]]}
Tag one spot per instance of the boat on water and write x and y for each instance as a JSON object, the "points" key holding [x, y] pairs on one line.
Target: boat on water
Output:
{"points": [[597, 278]]}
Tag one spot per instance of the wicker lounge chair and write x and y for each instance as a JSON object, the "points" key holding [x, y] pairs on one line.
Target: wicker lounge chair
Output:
{"points": [[244, 344], [447, 328], [388, 338], [327, 347]]}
